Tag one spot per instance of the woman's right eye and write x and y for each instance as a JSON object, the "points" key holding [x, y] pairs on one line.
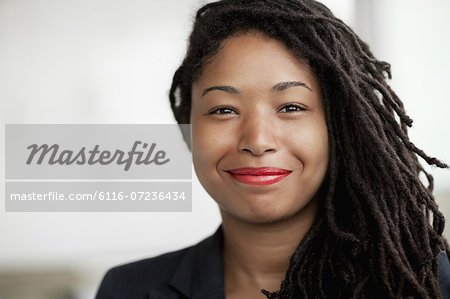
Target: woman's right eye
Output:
{"points": [[222, 110]]}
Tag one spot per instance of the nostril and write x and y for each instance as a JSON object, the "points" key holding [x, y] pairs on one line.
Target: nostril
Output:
{"points": [[257, 152]]}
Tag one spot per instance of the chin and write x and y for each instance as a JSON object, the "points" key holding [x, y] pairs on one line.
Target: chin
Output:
{"points": [[260, 217], [268, 220]]}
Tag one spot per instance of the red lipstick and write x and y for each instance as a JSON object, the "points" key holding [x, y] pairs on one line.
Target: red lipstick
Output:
{"points": [[259, 175]]}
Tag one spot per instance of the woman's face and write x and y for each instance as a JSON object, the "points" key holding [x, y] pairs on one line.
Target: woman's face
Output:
{"points": [[259, 135]]}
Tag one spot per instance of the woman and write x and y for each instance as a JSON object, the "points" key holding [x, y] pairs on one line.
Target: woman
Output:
{"points": [[295, 136]]}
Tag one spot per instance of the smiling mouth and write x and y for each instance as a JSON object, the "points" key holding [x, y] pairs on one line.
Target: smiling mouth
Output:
{"points": [[259, 176]]}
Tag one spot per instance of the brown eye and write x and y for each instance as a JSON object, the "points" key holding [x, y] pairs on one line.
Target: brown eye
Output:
{"points": [[222, 110], [292, 108]]}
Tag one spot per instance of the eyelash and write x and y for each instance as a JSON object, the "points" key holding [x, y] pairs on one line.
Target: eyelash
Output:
{"points": [[299, 108], [214, 111]]}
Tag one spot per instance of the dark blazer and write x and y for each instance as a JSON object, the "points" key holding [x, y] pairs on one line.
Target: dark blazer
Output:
{"points": [[194, 272]]}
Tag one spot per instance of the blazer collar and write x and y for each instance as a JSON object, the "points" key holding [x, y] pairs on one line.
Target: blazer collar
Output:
{"points": [[200, 272]]}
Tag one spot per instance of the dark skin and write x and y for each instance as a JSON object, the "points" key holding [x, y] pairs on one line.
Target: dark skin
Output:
{"points": [[246, 112]]}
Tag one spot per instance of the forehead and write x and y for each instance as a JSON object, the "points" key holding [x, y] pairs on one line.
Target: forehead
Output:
{"points": [[254, 58], [255, 44]]}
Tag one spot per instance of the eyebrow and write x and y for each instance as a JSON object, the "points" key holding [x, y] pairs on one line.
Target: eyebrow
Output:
{"points": [[285, 85], [228, 89], [277, 87]]}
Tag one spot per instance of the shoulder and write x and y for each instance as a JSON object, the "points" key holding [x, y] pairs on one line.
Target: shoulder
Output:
{"points": [[134, 280], [153, 276], [444, 274]]}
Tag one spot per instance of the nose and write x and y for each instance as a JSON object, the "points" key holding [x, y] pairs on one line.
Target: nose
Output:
{"points": [[257, 134]]}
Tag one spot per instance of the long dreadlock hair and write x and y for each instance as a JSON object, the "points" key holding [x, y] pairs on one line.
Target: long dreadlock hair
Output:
{"points": [[379, 230]]}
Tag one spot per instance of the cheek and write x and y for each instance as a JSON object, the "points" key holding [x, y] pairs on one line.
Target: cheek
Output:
{"points": [[317, 142], [320, 149], [208, 145], [310, 145]]}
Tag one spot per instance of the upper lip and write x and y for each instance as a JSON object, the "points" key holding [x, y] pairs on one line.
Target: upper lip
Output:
{"points": [[259, 171]]}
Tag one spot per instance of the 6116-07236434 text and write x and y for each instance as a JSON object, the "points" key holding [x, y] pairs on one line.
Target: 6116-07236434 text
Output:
{"points": [[96, 156]]}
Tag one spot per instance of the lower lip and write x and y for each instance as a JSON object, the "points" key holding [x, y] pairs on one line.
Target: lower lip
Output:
{"points": [[259, 180]]}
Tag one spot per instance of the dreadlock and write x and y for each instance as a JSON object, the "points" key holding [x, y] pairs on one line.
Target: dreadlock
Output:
{"points": [[379, 231]]}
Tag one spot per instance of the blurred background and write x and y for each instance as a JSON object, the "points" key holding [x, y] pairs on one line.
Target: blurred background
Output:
{"points": [[111, 61]]}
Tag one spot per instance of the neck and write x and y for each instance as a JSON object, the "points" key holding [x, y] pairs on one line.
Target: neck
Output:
{"points": [[258, 254]]}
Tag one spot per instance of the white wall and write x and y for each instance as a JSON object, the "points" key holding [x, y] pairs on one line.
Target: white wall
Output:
{"points": [[92, 62]]}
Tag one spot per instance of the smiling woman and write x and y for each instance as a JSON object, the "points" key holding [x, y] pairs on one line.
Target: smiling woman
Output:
{"points": [[304, 146], [249, 150], [260, 149]]}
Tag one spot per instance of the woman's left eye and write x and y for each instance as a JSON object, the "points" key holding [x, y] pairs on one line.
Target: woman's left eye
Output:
{"points": [[292, 108]]}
